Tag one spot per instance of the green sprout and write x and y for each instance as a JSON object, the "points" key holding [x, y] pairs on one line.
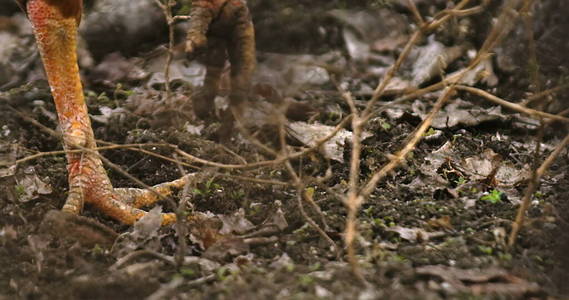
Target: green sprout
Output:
{"points": [[495, 196], [430, 132], [485, 249]]}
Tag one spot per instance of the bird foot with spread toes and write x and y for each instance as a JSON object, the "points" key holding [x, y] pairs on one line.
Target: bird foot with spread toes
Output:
{"points": [[55, 25]]}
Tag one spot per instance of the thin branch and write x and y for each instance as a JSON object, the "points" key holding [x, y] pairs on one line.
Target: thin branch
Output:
{"points": [[517, 225], [101, 148], [378, 92], [141, 253], [181, 221], [444, 16], [255, 180], [544, 93], [416, 14], [399, 157], [276, 161], [300, 187], [166, 8], [537, 114]]}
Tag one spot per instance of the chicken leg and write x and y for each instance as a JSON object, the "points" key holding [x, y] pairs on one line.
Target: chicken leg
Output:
{"points": [[55, 25]]}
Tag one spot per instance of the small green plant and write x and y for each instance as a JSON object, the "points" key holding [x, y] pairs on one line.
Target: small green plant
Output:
{"points": [[237, 194], [97, 250], [305, 280], [315, 267], [505, 256], [430, 132], [121, 92], [223, 273], [460, 181], [485, 249], [103, 100], [399, 258], [495, 196], [389, 221], [188, 272], [379, 223], [385, 125], [289, 267], [20, 190], [455, 137], [309, 192], [209, 188]]}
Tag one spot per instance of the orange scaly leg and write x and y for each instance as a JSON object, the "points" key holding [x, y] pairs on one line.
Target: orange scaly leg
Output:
{"points": [[55, 27]]}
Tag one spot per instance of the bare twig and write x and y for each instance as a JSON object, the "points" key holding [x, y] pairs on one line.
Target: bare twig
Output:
{"points": [[139, 148], [255, 180], [300, 187], [444, 16], [399, 157], [536, 176], [141, 253], [62, 152], [516, 226], [181, 224], [497, 33], [544, 93], [513, 106], [166, 8], [167, 290], [416, 14], [279, 160], [378, 92], [78, 148], [356, 196]]}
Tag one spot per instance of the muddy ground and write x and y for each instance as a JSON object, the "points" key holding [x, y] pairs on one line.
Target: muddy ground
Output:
{"points": [[436, 228]]}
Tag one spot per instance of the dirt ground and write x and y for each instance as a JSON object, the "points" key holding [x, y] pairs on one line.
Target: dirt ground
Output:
{"points": [[436, 228]]}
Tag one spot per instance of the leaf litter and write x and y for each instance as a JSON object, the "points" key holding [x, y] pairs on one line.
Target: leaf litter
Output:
{"points": [[431, 204]]}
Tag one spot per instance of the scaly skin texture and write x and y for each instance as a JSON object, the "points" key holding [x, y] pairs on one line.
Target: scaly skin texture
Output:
{"points": [[55, 27], [67, 8], [224, 29]]}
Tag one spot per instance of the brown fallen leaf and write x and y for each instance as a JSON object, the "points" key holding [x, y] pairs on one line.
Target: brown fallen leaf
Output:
{"points": [[415, 234], [443, 222], [480, 281]]}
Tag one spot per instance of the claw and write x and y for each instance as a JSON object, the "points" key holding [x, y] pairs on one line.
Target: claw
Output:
{"points": [[55, 27]]}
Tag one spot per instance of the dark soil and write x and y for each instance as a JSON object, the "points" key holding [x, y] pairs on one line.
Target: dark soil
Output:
{"points": [[459, 227]]}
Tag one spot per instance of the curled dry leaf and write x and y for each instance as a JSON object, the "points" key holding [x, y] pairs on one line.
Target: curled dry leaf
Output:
{"points": [[282, 262], [367, 30], [310, 134], [415, 234], [144, 235], [30, 186], [235, 223], [480, 281], [432, 60], [460, 113], [480, 166], [226, 248]]}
